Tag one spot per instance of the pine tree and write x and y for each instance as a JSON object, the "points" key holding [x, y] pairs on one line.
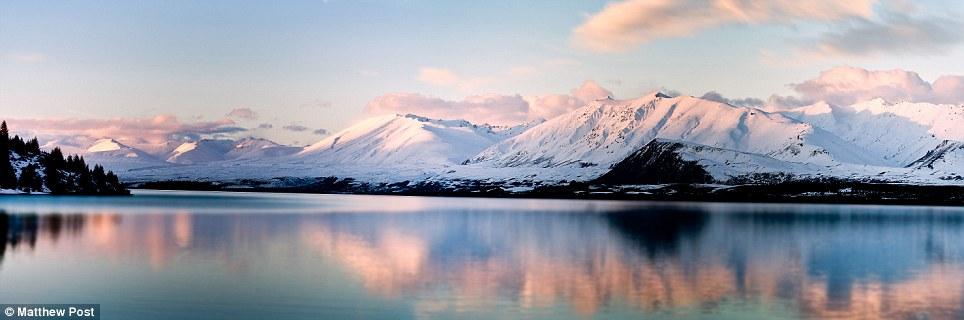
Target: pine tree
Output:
{"points": [[33, 147], [29, 180], [53, 164], [115, 185], [100, 179], [17, 145], [85, 182], [8, 178]]}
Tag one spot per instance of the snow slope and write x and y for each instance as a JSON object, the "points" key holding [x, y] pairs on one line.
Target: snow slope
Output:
{"points": [[898, 134], [947, 160], [210, 150], [201, 151], [393, 140], [118, 157], [607, 131], [256, 148]]}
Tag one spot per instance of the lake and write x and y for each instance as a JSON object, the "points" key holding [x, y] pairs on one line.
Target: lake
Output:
{"points": [[193, 255]]}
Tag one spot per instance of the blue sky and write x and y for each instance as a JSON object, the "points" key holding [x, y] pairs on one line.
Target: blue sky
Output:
{"points": [[317, 64]]}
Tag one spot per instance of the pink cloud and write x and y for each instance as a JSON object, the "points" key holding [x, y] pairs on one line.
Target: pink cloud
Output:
{"points": [[132, 131], [551, 105], [489, 108], [949, 89], [589, 91], [629, 23], [846, 85]]}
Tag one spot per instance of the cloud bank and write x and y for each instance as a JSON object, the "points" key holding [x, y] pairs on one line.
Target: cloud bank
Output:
{"points": [[155, 129], [623, 25], [138, 132], [846, 85], [489, 108]]}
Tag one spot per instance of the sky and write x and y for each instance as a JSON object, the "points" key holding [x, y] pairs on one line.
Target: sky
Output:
{"points": [[296, 71]]}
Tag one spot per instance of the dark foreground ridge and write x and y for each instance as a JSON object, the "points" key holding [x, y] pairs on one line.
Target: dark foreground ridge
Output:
{"points": [[26, 168], [657, 162], [812, 191]]}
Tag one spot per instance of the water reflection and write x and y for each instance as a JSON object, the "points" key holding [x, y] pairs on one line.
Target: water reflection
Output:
{"points": [[658, 260]]}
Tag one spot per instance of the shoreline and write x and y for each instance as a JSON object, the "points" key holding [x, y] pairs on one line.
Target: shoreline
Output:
{"points": [[788, 193]]}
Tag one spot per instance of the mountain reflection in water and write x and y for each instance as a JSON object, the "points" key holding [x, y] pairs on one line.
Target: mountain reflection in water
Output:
{"points": [[636, 258]]}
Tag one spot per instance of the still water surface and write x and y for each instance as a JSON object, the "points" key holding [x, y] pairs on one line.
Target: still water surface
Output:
{"points": [[166, 254]]}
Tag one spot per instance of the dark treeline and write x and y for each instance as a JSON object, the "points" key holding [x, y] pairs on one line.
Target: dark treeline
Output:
{"points": [[39, 169]]}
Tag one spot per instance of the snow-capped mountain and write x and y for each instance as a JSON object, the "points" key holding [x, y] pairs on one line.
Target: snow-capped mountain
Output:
{"points": [[201, 151], [257, 148], [639, 139], [116, 156], [405, 140], [607, 131], [896, 133], [213, 150]]}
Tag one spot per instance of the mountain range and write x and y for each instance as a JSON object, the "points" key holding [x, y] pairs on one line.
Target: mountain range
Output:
{"points": [[872, 141]]}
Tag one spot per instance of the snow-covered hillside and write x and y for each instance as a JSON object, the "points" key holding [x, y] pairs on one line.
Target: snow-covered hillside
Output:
{"points": [[404, 140], [206, 150], [898, 133], [256, 148], [946, 160], [667, 157], [116, 156], [871, 141], [607, 131]]}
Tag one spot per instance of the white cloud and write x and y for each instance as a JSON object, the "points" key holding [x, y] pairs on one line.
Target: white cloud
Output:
{"points": [[489, 108], [132, 131], [949, 89], [846, 85], [623, 25]]}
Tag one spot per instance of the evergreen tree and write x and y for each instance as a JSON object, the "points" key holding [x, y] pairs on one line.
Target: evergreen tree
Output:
{"points": [[33, 147], [85, 182], [100, 178], [17, 145], [53, 164], [8, 178], [61, 175], [115, 185], [29, 180]]}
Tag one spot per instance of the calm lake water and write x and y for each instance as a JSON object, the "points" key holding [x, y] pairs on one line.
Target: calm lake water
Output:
{"points": [[186, 255]]}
